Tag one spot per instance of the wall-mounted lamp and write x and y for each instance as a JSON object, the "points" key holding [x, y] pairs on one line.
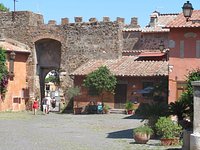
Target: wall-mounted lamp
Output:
{"points": [[161, 46], [11, 66], [187, 10]]}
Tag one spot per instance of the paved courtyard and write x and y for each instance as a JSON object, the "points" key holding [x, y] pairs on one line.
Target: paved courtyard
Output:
{"points": [[24, 131]]}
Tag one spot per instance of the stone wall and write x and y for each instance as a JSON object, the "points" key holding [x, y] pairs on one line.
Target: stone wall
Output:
{"points": [[80, 41]]}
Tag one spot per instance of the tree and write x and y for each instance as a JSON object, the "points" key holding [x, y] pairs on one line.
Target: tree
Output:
{"points": [[101, 80], [3, 72], [53, 77], [3, 8]]}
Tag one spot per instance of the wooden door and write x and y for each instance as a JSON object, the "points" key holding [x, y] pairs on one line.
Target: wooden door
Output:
{"points": [[120, 96]]}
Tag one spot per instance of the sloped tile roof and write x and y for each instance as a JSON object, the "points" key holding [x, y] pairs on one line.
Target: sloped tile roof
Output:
{"points": [[132, 29], [154, 29], [10, 45], [126, 66], [162, 21], [180, 21]]}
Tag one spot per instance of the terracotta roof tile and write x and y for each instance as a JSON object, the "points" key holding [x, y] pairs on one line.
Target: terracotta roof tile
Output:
{"points": [[9, 45], [154, 29], [126, 66], [162, 21], [180, 21], [132, 29]]}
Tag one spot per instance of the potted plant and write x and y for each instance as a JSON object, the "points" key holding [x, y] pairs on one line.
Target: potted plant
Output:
{"points": [[106, 109], [142, 134], [168, 130], [129, 107]]}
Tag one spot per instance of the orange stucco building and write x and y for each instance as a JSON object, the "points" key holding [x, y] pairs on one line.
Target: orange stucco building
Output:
{"points": [[184, 56], [16, 95]]}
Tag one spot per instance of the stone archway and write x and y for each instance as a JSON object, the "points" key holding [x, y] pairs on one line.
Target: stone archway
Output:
{"points": [[48, 57]]}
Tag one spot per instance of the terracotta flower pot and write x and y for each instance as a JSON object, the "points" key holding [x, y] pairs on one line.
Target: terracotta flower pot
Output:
{"points": [[168, 142], [141, 138], [129, 112]]}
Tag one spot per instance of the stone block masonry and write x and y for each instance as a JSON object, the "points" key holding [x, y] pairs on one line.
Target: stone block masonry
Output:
{"points": [[80, 41]]}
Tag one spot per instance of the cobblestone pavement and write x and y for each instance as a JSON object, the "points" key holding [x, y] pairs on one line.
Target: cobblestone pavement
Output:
{"points": [[24, 131]]}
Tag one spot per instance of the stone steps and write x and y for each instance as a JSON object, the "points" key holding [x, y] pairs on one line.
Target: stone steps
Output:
{"points": [[118, 111]]}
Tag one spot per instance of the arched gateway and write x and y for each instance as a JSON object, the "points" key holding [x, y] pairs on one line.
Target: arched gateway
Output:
{"points": [[48, 57]]}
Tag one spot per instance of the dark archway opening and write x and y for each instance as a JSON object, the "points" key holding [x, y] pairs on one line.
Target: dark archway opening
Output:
{"points": [[48, 54]]}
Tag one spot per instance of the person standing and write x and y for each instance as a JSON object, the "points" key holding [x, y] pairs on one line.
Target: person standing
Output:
{"points": [[44, 105], [35, 106]]}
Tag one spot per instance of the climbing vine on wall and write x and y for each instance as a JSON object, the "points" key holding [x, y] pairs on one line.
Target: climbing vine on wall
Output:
{"points": [[3, 73]]}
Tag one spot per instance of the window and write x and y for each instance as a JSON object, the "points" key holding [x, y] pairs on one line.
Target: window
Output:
{"points": [[17, 100]]}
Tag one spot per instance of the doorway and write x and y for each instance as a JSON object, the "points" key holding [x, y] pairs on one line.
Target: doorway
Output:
{"points": [[48, 54], [120, 96]]}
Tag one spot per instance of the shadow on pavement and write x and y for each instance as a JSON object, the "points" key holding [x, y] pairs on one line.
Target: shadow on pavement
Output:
{"points": [[174, 149], [150, 144], [126, 134], [134, 117]]}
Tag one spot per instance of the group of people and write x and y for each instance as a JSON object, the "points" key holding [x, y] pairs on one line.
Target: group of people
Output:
{"points": [[47, 104]]}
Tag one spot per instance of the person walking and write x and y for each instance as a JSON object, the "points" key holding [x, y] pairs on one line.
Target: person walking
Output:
{"points": [[35, 106], [48, 104], [44, 105]]}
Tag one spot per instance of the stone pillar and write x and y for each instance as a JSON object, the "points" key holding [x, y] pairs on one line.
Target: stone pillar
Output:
{"points": [[195, 137]]}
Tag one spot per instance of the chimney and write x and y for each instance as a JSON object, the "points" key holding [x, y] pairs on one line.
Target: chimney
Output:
{"points": [[154, 18]]}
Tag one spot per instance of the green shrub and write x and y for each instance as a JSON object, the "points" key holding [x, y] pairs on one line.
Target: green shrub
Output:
{"points": [[3, 73], [143, 129], [129, 105], [166, 128]]}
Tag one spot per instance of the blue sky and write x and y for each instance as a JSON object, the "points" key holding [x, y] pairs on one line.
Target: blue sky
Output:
{"points": [[57, 9]]}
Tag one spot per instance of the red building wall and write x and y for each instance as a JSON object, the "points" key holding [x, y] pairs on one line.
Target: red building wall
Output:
{"points": [[134, 84], [180, 67]]}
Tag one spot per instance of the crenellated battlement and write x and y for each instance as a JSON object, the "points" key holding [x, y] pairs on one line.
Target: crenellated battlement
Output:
{"points": [[79, 20], [27, 18]]}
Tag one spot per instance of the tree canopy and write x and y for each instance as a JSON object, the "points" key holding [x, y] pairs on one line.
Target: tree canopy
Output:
{"points": [[101, 80], [3, 72], [3, 8]]}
